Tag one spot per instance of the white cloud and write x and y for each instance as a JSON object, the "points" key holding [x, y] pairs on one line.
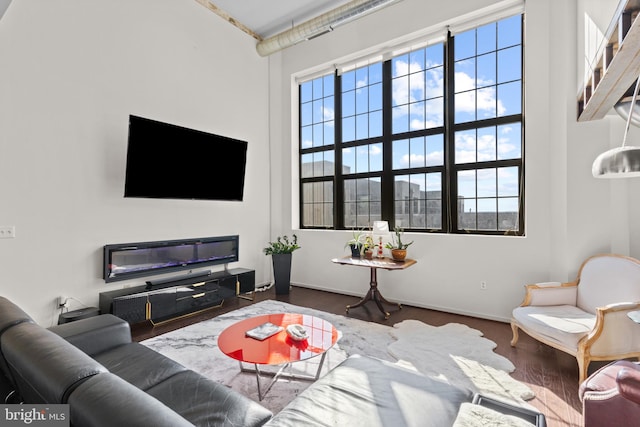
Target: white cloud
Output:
{"points": [[408, 89], [416, 124], [506, 147], [328, 114], [465, 147], [486, 148], [412, 160], [486, 99], [416, 160], [372, 150], [363, 82], [464, 82]]}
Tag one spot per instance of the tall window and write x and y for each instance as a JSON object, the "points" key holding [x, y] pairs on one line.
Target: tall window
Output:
{"points": [[430, 140]]}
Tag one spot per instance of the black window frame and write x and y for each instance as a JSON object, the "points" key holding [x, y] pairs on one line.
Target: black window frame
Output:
{"points": [[450, 200]]}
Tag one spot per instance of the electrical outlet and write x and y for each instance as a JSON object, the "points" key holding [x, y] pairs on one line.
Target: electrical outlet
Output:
{"points": [[483, 285], [8, 232]]}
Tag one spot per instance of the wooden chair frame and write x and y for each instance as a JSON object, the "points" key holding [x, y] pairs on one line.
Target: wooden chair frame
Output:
{"points": [[604, 315]]}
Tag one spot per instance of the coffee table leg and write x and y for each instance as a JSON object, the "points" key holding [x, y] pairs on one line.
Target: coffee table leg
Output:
{"points": [[320, 365], [279, 374], [262, 394]]}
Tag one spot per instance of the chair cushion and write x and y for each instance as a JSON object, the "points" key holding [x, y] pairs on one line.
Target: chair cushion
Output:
{"points": [[608, 279], [564, 324]]}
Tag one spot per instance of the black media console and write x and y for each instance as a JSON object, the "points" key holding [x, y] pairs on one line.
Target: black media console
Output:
{"points": [[166, 300]]}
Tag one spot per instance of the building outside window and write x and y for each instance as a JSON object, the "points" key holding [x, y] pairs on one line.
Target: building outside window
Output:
{"points": [[429, 140]]}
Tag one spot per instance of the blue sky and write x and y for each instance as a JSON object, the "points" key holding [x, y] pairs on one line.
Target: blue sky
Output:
{"points": [[488, 82]]}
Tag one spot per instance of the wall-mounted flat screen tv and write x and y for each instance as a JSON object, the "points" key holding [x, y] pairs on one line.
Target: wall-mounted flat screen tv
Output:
{"points": [[166, 161], [130, 260]]}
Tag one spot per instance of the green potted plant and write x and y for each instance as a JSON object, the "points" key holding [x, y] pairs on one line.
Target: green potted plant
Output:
{"points": [[398, 248], [356, 243], [281, 251], [368, 246]]}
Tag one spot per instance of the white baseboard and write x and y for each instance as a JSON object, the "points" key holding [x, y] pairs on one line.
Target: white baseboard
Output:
{"points": [[411, 303]]}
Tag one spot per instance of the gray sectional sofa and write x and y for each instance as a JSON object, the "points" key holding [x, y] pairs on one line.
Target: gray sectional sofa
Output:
{"points": [[108, 380]]}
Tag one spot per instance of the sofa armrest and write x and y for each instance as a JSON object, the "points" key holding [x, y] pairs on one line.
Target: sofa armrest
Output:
{"points": [[613, 333], [11, 315], [551, 293], [95, 335], [45, 367], [628, 380]]}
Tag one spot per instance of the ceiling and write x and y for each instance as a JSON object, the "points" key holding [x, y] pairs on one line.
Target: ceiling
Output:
{"points": [[267, 18]]}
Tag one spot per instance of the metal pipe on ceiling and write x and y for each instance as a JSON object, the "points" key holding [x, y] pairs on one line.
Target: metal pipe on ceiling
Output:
{"points": [[320, 25]]}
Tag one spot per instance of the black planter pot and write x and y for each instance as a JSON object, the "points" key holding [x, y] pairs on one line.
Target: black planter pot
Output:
{"points": [[282, 272], [355, 250]]}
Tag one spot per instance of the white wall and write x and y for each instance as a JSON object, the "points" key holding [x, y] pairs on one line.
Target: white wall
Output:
{"points": [[569, 214], [71, 71]]}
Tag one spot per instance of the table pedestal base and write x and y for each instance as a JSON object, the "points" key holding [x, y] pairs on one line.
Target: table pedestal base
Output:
{"points": [[375, 295], [280, 374]]}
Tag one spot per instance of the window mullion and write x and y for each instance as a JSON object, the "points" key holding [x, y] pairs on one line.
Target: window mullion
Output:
{"points": [[450, 181], [338, 190], [387, 179]]}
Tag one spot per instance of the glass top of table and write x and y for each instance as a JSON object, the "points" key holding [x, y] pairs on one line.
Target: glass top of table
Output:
{"points": [[279, 348]]}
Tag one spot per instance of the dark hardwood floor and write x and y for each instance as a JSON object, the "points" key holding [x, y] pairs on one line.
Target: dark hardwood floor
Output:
{"points": [[551, 374]]}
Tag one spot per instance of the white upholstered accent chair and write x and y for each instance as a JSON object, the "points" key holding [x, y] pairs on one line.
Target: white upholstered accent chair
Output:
{"points": [[586, 318]]}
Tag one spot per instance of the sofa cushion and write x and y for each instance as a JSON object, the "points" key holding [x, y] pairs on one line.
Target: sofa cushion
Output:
{"points": [[106, 400], [208, 403], [139, 365], [45, 367], [563, 324], [95, 335], [371, 392]]}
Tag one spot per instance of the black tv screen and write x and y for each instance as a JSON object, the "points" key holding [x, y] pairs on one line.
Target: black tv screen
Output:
{"points": [[166, 161]]}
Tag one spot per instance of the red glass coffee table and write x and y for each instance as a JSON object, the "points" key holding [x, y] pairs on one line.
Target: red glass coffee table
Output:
{"points": [[279, 349]]}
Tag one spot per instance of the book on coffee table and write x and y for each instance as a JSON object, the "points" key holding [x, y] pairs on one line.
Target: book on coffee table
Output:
{"points": [[264, 331]]}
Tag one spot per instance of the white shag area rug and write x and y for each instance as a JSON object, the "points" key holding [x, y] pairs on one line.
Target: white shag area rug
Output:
{"points": [[458, 354], [454, 352]]}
